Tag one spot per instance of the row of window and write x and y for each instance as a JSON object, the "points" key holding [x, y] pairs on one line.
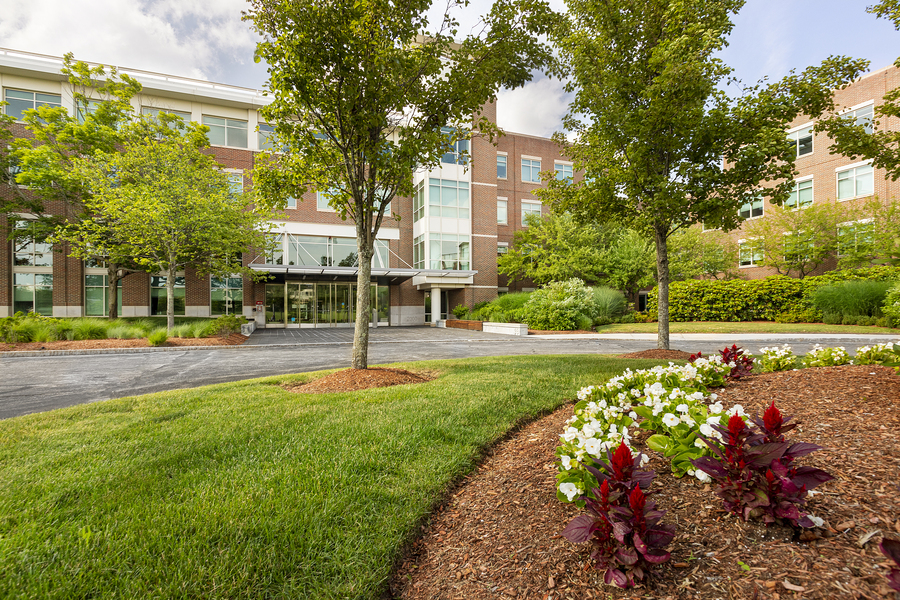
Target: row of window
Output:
{"points": [[529, 207], [802, 137], [446, 251], [531, 169], [33, 292], [321, 251], [222, 131], [853, 237]]}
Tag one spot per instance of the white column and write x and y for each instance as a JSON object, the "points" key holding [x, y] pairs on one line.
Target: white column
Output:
{"points": [[435, 305]]}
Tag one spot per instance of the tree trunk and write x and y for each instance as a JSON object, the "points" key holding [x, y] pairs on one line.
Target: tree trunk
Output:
{"points": [[662, 279], [360, 358], [112, 275], [170, 300]]}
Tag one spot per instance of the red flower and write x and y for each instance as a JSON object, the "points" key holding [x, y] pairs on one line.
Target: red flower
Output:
{"points": [[622, 461], [772, 419]]}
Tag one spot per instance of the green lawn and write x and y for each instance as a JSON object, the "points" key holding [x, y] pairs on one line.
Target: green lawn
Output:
{"points": [[744, 327], [243, 490]]}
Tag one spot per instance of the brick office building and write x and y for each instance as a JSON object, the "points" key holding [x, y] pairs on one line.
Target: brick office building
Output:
{"points": [[442, 252], [825, 177]]}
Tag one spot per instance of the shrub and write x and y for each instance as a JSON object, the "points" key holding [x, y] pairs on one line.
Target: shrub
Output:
{"points": [[827, 357], [754, 474], [583, 323], [622, 525], [185, 330], [853, 298], [557, 305], [627, 318], [643, 317], [891, 306], [883, 322], [775, 359], [221, 326], [830, 318], [866, 321], [508, 304], [90, 329], [124, 331], [608, 302], [158, 337], [601, 321], [849, 320], [460, 311], [875, 355]]}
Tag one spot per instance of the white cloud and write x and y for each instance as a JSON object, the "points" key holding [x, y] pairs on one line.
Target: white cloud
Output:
{"points": [[536, 108], [190, 38]]}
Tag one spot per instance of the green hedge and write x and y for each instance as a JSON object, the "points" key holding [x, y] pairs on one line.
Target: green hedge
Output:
{"points": [[776, 297]]}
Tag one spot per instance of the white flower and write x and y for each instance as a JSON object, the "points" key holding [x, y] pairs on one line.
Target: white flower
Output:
{"points": [[570, 434], [736, 410], [588, 431], [569, 490], [670, 420], [706, 430], [682, 408], [566, 462], [702, 476], [817, 521], [716, 408], [700, 443], [633, 415], [715, 420], [613, 429], [593, 446]]}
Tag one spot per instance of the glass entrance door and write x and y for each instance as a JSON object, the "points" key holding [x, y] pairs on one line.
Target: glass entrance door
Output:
{"points": [[275, 304], [301, 304], [334, 306]]}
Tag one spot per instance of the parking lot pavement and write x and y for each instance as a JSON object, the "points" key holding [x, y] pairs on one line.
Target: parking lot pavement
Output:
{"points": [[39, 383]]}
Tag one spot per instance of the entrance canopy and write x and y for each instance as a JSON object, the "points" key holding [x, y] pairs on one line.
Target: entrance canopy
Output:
{"points": [[394, 275]]}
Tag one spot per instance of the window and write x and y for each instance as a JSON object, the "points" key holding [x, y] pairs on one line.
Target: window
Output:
{"points": [[798, 246], [96, 294], [419, 252], [276, 257], [265, 137], [226, 132], [20, 101], [855, 237], [864, 115], [801, 195], [154, 112], [531, 170], [291, 202], [802, 139], [563, 171], [502, 249], [419, 202], [83, 110], [28, 252], [235, 183], [226, 295], [33, 292], [530, 208], [501, 166], [158, 295], [751, 252], [449, 251], [457, 152], [855, 182], [752, 209], [501, 211], [448, 198], [325, 251]]}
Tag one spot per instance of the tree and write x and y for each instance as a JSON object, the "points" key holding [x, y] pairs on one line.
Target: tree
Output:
{"points": [[46, 186], [696, 253], [165, 204], [652, 129], [627, 262], [555, 248], [796, 241], [871, 236], [862, 137], [360, 97]]}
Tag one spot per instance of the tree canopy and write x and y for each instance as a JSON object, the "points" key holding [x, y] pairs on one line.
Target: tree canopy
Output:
{"points": [[661, 146], [362, 90], [163, 203]]}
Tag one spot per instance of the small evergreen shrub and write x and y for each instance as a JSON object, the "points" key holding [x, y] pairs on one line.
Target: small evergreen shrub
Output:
{"points": [[158, 337], [460, 311], [601, 321], [883, 322], [627, 318], [90, 329], [557, 305], [583, 323], [830, 318], [222, 326], [849, 320]]}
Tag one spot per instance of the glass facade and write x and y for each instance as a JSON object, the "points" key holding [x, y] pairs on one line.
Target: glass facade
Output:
{"points": [[324, 251], [19, 101], [96, 295], [226, 295], [33, 292], [457, 152], [448, 251], [158, 295], [226, 132], [448, 198], [321, 304]]}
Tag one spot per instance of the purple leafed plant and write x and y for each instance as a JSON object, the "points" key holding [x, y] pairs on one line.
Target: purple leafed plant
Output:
{"points": [[622, 525], [754, 472], [743, 364], [891, 549]]}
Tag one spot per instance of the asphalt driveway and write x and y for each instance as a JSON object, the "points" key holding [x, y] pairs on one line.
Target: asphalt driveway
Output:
{"points": [[31, 384]]}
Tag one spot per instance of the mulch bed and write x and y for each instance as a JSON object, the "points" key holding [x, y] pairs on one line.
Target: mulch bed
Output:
{"points": [[350, 380], [659, 353], [233, 339], [497, 535]]}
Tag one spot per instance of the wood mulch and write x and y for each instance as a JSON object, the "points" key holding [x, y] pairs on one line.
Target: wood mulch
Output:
{"points": [[497, 535], [233, 339], [350, 380]]}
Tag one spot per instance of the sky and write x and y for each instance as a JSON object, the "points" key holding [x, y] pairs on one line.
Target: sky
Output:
{"points": [[206, 39]]}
